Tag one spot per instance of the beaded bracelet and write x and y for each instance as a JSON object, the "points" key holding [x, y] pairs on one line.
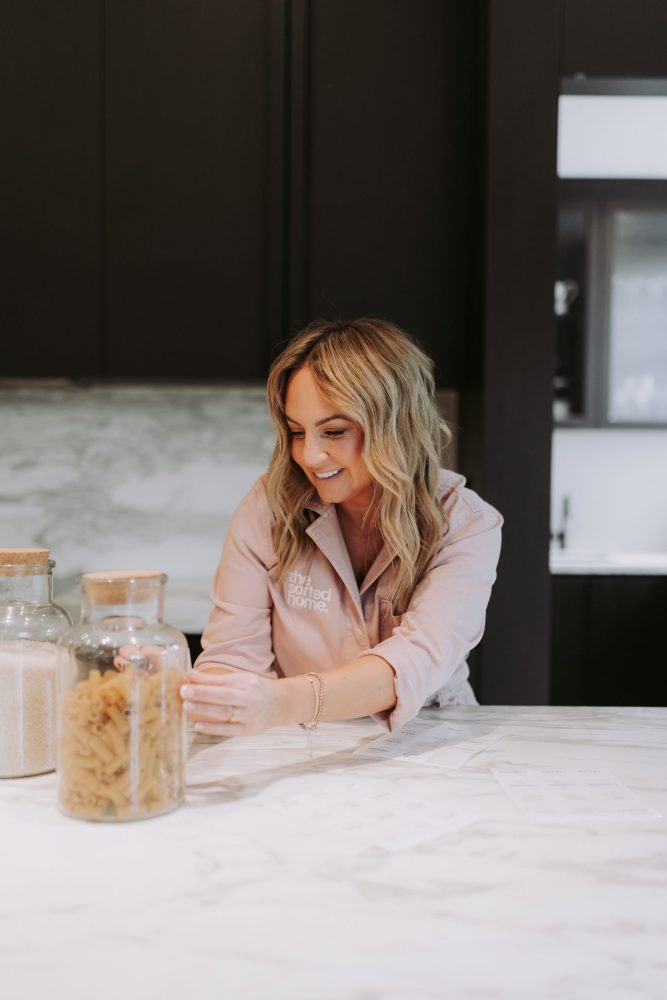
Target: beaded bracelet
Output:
{"points": [[319, 701]]}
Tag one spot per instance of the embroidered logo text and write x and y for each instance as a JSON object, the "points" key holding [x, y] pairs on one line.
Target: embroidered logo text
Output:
{"points": [[300, 591]]}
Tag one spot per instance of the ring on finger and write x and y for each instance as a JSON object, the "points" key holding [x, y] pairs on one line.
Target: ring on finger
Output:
{"points": [[236, 714]]}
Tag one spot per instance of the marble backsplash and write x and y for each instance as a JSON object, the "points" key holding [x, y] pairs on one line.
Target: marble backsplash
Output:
{"points": [[138, 476]]}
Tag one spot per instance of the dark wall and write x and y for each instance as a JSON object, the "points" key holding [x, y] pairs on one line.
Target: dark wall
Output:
{"points": [[507, 409]]}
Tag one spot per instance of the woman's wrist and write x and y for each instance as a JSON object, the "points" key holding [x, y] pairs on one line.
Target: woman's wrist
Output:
{"points": [[298, 704]]}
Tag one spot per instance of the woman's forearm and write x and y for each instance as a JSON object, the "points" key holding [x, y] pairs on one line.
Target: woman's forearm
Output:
{"points": [[360, 687], [229, 702]]}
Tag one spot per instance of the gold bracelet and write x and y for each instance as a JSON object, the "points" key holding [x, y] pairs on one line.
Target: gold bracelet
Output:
{"points": [[319, 700]]}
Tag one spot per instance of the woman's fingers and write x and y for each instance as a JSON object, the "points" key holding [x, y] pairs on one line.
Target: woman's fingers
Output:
{"points": [[208, 677], [221, 689], [216, 713], [149, 658], [232, 703], [207, 695], [156, 656], [217, 729]]}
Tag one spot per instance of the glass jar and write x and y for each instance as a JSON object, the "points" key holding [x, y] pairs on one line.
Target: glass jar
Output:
{"points": [[30, 623], [121, 726]]}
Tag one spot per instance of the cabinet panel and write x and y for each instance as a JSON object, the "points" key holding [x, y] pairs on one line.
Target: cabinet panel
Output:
{"points": [[638, 315], [390, 200], [49, 177], [612, 360], [608, 640], [627, 641], [186, 159], [614, 38], [570, 618]]}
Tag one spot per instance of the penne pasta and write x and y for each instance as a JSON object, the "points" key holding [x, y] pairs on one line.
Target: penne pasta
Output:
{"points": [[152, 729], [147, 754], [151, 715], [82, 712], [76, 760], [113, 794], [119, 720], [113, 766], [100, 748], [115, 738], [121, 744], [84, 779]]}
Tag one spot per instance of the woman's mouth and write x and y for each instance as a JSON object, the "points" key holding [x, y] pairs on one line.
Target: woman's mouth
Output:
{"points": [[327, 475]]}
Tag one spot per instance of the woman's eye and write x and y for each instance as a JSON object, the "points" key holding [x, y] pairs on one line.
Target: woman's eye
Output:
{"points": [[328, 434]]}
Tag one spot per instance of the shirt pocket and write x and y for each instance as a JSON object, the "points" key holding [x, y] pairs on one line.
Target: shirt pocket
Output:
{"points": [[388, 620]]}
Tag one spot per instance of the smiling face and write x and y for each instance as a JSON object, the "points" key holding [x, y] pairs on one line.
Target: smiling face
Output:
{"points": [[326, 445]]}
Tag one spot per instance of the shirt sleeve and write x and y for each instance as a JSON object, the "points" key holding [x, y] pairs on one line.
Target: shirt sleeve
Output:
{"points": [[446, 615], [238, 633]]}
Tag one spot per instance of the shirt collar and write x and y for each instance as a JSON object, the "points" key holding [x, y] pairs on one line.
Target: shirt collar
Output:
{"points": [[325, 532], [314, 503]]}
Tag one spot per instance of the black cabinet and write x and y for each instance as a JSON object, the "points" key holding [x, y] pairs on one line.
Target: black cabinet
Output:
{"points": [[614, 38], [50, 184], [390, 207], [186, 217], [186, 183], [608, 640]]}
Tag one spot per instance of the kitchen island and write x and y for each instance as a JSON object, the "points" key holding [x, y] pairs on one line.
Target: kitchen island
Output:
{"points": [[276, 878]]}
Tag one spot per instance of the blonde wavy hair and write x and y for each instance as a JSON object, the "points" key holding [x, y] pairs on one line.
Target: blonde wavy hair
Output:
{"points": [[372, 371]]}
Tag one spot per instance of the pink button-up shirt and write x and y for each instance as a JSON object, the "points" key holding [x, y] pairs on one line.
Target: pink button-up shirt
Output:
{"points": [[320, 618]]}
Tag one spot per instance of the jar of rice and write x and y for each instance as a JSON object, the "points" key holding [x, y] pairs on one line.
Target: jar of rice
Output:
{"points": [[30, 624]]}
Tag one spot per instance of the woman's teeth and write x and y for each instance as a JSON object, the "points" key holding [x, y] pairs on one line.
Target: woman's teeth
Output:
{"points": [[327, 475]]}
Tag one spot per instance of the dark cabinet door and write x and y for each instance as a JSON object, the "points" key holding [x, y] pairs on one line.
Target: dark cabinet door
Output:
{"points": [[614, 38], [608, 641], [627, 638], [390, 193], [570, 626], [187, 182], [50, 184], [187, 215]]}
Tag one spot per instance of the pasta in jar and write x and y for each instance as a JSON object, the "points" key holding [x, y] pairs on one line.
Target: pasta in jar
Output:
{"points": [[121, 727], [121, 745]]}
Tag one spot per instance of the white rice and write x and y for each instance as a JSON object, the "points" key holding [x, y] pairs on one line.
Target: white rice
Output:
{"points": [[27, 707]]}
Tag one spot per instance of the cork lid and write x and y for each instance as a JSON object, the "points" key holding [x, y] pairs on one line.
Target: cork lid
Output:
{"points": [[121, 586], [24, 562], [15, 556]]}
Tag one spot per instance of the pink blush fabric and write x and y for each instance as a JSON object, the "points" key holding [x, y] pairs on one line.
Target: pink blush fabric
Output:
{"points": [[320, 618]]}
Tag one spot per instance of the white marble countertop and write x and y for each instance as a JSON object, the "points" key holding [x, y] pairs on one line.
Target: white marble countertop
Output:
{"points": [[262, 887], [584, 562]]}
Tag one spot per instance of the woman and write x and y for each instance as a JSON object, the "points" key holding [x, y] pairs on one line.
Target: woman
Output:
{"points": [[355, 574]]}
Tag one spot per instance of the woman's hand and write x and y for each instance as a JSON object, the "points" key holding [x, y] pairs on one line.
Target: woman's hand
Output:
{"points": [[233, 704]]}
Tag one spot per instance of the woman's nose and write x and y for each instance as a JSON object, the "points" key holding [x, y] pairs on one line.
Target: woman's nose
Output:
{"points": [[313, 452]]}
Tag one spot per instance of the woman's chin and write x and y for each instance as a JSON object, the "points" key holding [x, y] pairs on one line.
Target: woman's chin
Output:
{"points": [[328, 484]]}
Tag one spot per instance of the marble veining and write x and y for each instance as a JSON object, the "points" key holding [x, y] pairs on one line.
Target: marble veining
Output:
{"points": [[254, 889], [124, 476]]}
